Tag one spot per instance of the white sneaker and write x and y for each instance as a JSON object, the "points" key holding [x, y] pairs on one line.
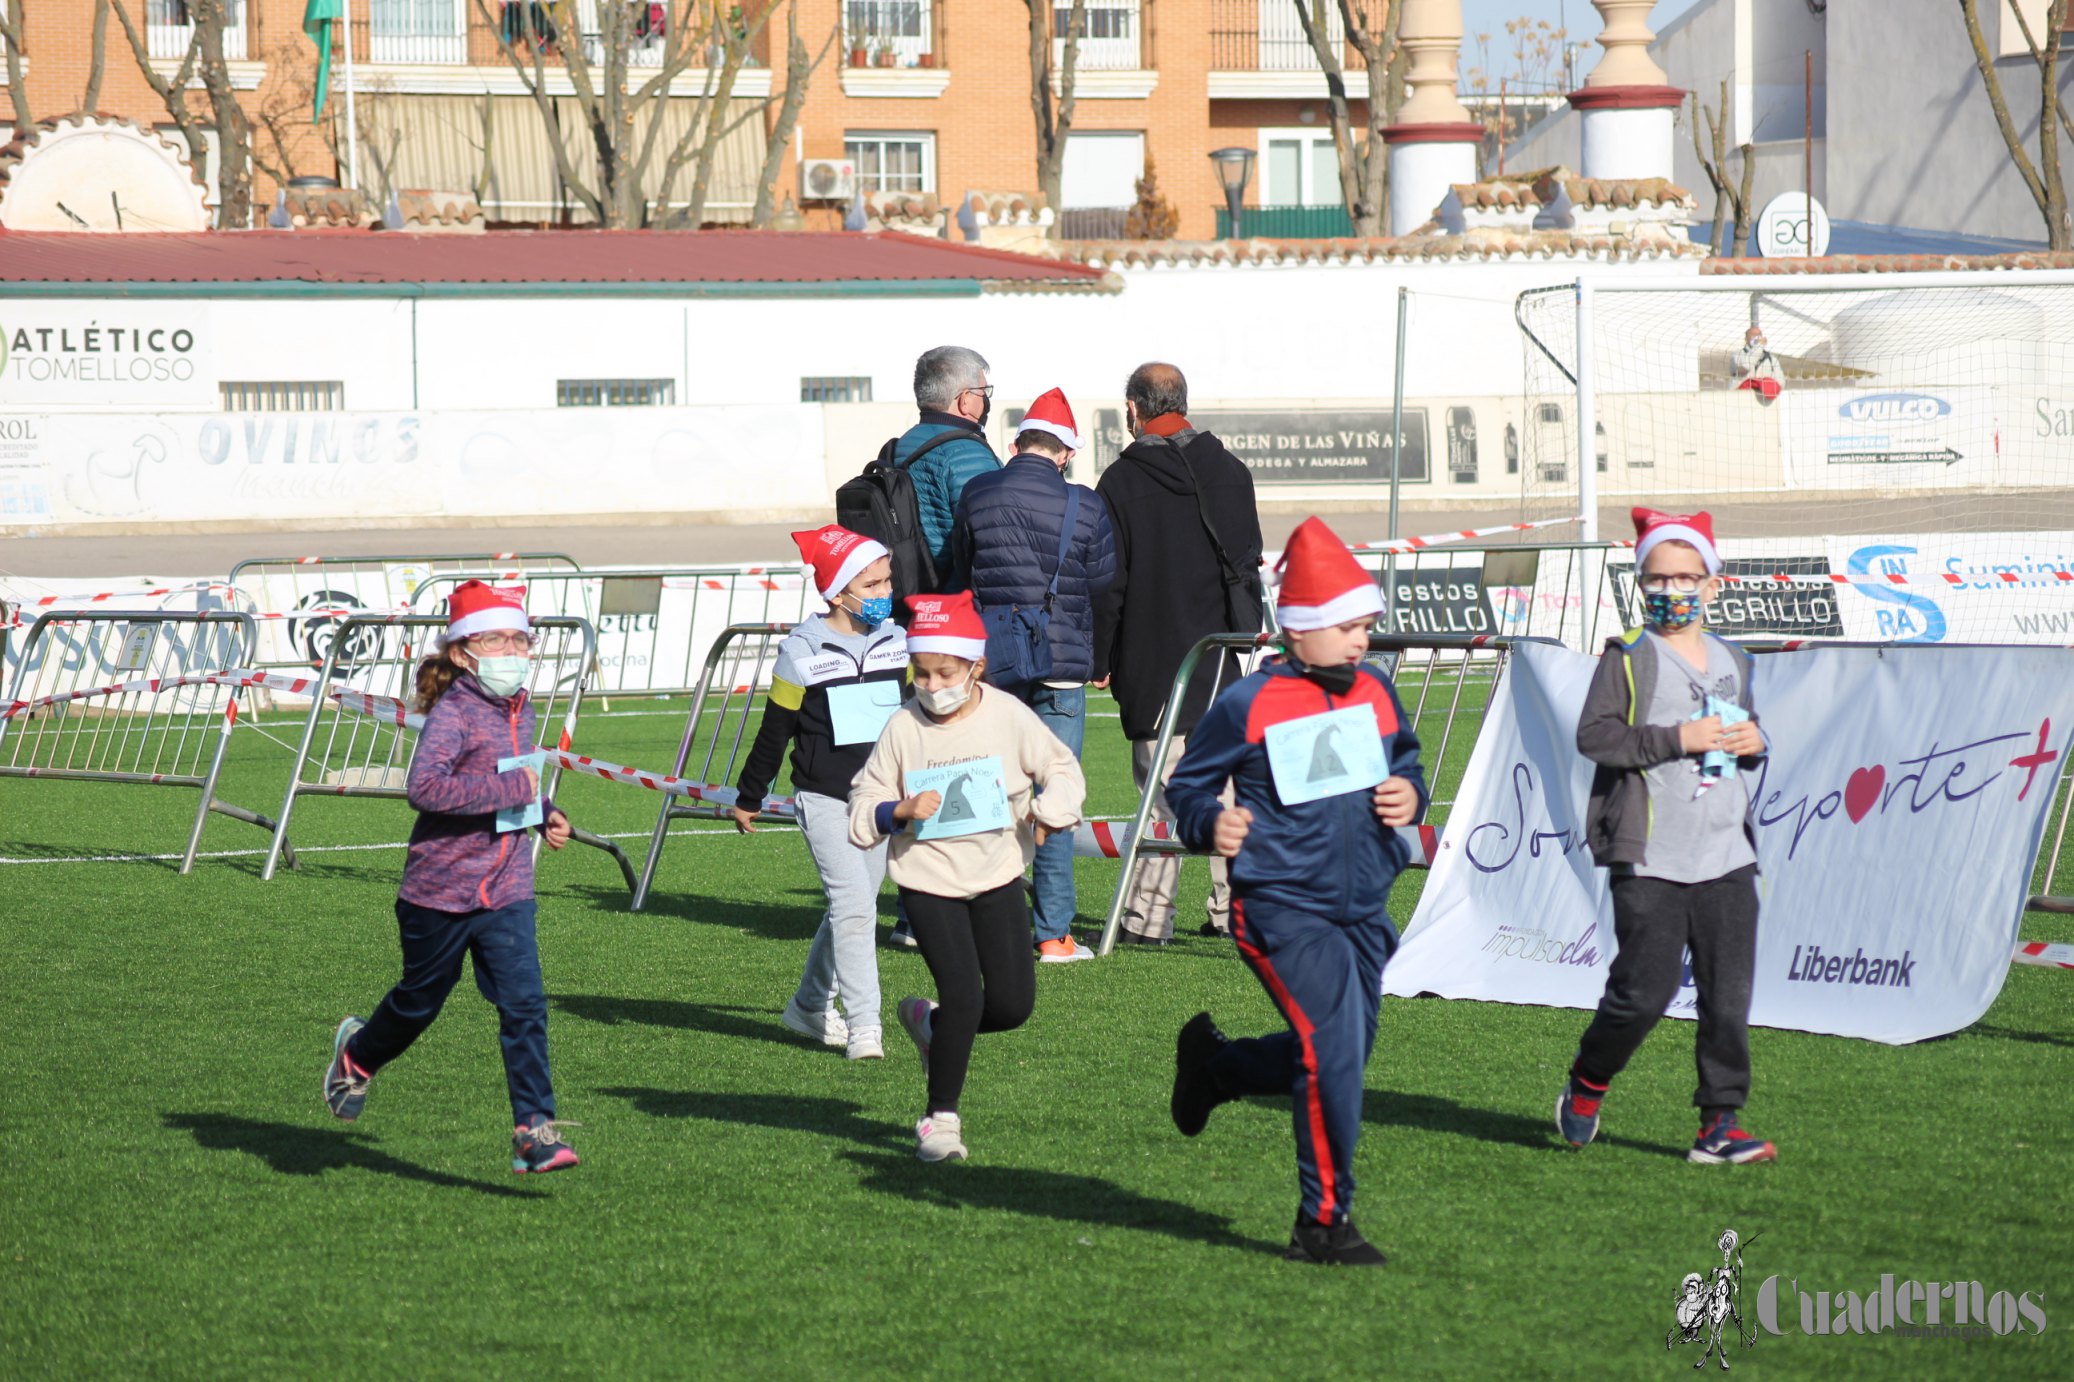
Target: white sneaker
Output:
{"points": [[938, 1138], [866, 1044], [828, 1028]]}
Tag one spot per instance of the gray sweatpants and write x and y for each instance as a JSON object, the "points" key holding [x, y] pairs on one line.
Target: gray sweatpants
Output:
{"points": [[843, 960], [1148, 910]]}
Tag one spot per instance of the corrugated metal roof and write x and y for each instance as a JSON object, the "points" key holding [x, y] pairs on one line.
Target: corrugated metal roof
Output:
{"points": [[524, 257]]}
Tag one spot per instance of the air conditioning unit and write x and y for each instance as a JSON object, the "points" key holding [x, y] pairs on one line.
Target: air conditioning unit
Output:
{"points": [[827, 180]]}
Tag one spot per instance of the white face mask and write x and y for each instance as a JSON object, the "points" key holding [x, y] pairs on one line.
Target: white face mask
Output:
{"points": [[501, 676], [945, 700]]}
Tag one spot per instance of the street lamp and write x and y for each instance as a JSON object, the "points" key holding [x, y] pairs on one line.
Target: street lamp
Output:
{"points": [[1234, 168]]}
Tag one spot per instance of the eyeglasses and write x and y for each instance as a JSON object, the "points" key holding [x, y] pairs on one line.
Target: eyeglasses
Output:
{"points": [[983, 390], [501, 641], [1683, 582]]}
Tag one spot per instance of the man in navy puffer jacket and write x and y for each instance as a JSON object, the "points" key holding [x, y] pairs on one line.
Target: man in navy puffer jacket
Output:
{"points": [[1005, 550]]}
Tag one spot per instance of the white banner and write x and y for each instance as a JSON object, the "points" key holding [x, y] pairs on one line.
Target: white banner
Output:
{"points": [[1897, 822]]}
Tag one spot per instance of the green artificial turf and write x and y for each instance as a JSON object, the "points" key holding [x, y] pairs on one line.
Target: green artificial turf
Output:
{"points": [[175, 1201]]}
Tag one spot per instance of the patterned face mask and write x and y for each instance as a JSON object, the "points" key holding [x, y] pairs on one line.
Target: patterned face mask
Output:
{"points": [[1671, 610]]}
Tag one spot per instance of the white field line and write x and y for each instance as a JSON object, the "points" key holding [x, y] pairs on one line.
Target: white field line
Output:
{"points": [[349, 849]]}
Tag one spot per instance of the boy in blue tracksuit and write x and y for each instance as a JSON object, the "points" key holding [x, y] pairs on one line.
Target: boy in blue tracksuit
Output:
{"points": [[1324, 766]]}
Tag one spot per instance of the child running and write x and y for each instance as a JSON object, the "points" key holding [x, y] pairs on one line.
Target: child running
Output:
{"points": [[839, 678], [1670, 723], [468, 879], [1324, 765], [967, 782]]}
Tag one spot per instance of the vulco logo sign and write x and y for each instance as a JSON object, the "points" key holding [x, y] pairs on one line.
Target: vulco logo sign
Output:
{"points": [[1894, 407]]}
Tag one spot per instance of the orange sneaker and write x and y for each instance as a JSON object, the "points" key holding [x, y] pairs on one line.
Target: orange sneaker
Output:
{"points": [[1063, 951]]}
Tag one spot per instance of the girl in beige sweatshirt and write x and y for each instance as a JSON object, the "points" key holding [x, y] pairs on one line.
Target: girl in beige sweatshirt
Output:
{"points": [[967, 782]]}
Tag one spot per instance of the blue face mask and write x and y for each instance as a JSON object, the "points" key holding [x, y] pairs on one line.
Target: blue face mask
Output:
{"points": [[1671, 610], [874, 612]]}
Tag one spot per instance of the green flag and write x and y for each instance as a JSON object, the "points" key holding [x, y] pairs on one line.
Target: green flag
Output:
{"points": [[317, 20]]}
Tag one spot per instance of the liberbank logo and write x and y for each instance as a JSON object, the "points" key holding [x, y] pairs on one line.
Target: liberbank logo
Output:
{"points": [[1895, 407], [97, 353]]}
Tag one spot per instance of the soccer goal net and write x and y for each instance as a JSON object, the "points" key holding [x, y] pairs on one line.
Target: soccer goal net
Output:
{"points": [[1899, 447]]}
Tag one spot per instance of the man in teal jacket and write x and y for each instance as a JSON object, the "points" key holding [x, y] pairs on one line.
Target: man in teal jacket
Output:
{"points": [[952, 391]]}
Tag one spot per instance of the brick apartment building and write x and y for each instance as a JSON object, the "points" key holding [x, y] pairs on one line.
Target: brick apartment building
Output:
{"points": [[939, 107]]}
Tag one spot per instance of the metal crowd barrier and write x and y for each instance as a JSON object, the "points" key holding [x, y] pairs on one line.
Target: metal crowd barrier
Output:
{"points": [[131, 696], [652, 622], [286, 585], [352, 748], [737, 666], [1445, 684]]}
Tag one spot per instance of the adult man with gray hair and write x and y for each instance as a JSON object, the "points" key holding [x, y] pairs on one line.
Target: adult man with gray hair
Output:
{"points": [[955, 397]]}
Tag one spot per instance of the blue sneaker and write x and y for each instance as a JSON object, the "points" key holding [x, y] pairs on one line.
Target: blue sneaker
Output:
{"points": [[345, 1084], [537, 1146], [1577, 1112], [1722, 1143]]}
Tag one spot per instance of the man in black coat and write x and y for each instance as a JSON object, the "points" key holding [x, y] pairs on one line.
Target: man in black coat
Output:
{"points": [[1187, 565]]}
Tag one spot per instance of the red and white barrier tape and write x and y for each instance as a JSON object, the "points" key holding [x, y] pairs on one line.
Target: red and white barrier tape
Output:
{"points": [[2046, 953], [1109, 840], [1415, 544]]}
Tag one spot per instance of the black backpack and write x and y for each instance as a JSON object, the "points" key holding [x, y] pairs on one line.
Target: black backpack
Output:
{"points": [[881, 504]]}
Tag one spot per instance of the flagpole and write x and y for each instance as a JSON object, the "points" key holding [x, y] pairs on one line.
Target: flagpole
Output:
{"points": [[352, 122]]}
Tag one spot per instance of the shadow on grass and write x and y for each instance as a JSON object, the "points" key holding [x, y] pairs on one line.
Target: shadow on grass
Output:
{"points": [[772, 923], [1434, 1113], [755, 1024], [292, 1150], [1984, 1029], [838, 1118], [1045, 1194]]}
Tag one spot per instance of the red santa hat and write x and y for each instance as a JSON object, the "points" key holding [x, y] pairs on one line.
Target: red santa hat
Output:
{"points": [[476, 608], [946, 624], [1694, 529], [1052, 413], [837, 555], [1322, 584]]}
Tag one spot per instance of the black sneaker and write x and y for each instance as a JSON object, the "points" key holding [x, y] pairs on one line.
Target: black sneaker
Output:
{"points": [[1195, 1088], [1211, 928], [1337, 1245], [1136, 938]]}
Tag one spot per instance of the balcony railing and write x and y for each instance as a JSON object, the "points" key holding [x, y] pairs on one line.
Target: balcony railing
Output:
{"points": [[1287, 223], [408, 32], [168, 29], [1267, 36], [909, 28]]}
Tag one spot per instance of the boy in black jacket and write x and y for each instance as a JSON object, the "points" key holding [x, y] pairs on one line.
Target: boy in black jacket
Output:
{"points": [[1669, 721]]}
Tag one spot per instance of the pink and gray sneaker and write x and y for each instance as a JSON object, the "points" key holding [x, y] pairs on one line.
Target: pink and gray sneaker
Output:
{"points": [[914, 1017], [536, 1145]]}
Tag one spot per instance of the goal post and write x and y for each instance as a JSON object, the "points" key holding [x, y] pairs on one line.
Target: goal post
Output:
{"points": [[1898, 446]]}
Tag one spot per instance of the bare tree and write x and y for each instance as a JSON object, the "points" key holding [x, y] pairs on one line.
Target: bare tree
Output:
{"points": [[2042, 178], [1054, 127], [98, 61], [627, 125], [1364, 158], [224, 116], [799, 71], [1728, 200], [11, 24]]}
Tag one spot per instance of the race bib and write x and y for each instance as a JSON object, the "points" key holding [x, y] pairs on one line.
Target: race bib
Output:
{"points": [[974, 799], [860, 709], [520, 817], [1326, 754]]}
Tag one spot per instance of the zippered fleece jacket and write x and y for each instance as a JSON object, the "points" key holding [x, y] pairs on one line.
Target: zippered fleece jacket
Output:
{"points": [[812, 660], [458, 862], [1331, 857], [1617, 819], [1040, 774]]}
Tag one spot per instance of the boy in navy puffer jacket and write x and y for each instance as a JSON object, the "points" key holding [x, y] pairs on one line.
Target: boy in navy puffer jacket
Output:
{"points": [[1324, 766], [468, 879]]}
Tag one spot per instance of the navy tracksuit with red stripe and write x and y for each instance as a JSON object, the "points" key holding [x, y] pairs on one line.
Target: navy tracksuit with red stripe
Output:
{"points": [[1310, 888]]}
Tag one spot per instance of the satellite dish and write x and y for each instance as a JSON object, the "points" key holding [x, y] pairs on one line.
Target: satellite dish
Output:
{"points": [[1785, 225]]}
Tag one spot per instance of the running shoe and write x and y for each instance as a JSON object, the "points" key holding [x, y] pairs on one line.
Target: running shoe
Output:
{"points": [[1063, 951], [914, 1017], [345, 1084], [1577, 1111], [939, 1137], [1722, 1143], [537, 1146], [828, 1027], [1195, 1088], [1332, 1245]]}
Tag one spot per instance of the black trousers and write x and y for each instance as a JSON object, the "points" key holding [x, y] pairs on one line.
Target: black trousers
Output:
{"points": [[1655, 923], [979, 951]]}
